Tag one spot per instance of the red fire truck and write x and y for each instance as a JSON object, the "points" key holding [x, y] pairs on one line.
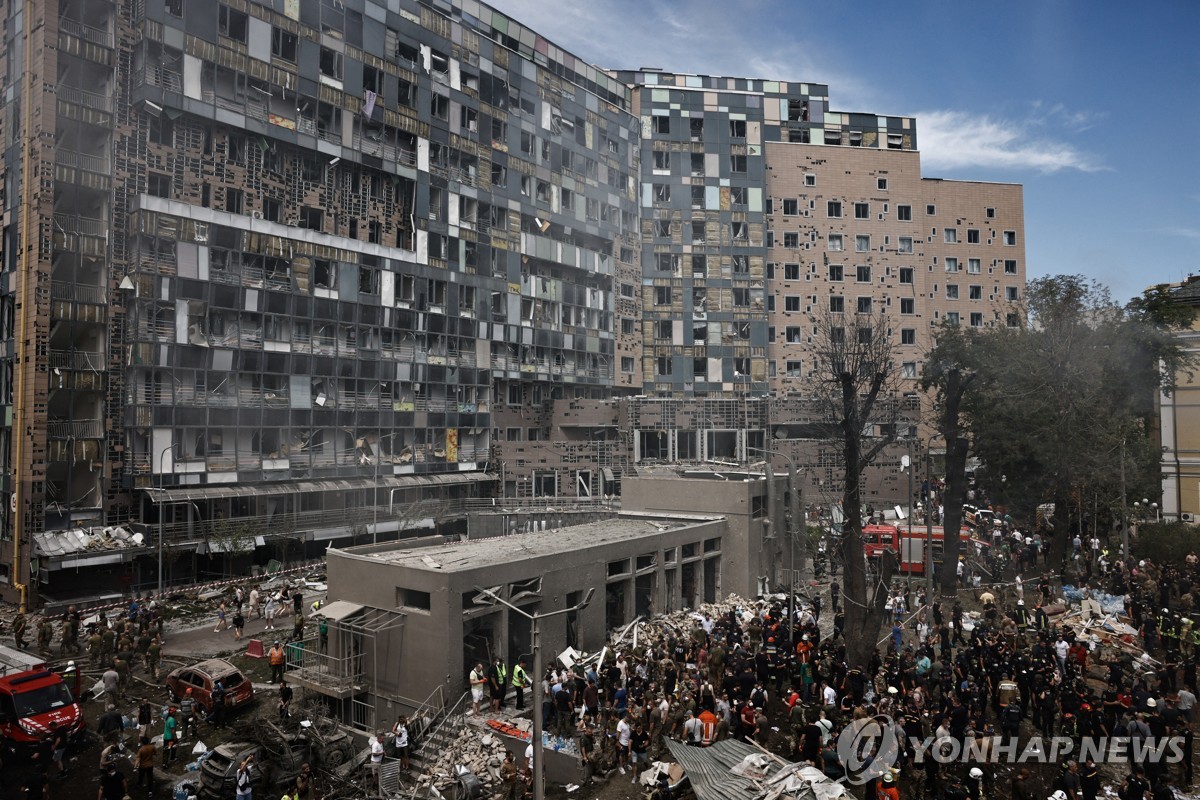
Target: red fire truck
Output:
{"points": [[910, 548], [35, 701]]}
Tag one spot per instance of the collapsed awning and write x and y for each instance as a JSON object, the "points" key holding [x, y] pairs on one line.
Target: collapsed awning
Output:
{"points": [[339, 610], [230, 490], [713, 773]]}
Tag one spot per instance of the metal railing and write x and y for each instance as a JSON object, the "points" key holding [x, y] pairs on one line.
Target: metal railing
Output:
{"points": [[71, 158], [306, 662], [77, 429], [83, 226], [88, 33], [452, 720], [94, 100], [75, 360], [78, 293], [158, 75]]}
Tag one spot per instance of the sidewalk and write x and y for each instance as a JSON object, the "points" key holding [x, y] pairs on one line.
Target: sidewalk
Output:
{"points": [[200, 641]]}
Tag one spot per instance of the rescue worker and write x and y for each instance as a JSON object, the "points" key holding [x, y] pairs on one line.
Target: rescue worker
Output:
{"points": [[94, 643], [20, 625], [153, 657], [520, 681], [1021, 614], [498, 682], [275, 658], [45, 636]]}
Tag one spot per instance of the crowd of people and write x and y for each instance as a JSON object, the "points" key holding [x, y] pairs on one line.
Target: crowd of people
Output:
{"points": [[998, 664]]}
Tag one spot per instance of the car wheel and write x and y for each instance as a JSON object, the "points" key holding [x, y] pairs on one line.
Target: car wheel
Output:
{"points": [[336, 757]]}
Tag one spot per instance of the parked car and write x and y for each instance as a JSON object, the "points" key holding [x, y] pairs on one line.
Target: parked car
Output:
{"points": [[201, 678], [275, 764]]}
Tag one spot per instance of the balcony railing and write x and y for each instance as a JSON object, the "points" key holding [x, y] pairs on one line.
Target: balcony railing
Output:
{"points": [[77, 360], [78, 293], [160, 76], [77, 429], [82, 226], [94, 100], [86, 32], [306, 662], [70, 158]]}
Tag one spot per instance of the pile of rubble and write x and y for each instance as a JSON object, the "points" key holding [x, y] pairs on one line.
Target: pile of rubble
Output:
{"points": [[478, 752]]}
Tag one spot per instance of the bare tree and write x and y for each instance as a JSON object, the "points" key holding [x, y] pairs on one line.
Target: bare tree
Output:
{"points": [[856, 382]]}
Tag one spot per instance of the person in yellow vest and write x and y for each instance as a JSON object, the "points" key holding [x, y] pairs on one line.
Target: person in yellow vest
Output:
{"points": [[276, 659], [520, 682], [498, 683]]}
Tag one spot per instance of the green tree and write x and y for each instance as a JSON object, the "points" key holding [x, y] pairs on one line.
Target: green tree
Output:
{"points": [[1051, 402]]}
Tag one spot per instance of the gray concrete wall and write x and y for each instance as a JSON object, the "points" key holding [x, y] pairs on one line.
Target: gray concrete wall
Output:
{"points": [[747, 553], [432, 649]]}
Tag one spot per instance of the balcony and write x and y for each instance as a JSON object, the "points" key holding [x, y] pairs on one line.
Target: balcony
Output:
{"points": [[74, 160], [78, 360], [78, 293], [87, 33], [81, 226], [82, 97], [76, 429], [163, 78]]}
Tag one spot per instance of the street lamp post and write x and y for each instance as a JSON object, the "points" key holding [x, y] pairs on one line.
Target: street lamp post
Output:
{"points": [[799, 522], [539, 781], [929, 524], [162, 507]]}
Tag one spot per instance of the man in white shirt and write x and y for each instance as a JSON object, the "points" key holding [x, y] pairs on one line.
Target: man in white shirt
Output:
{"points": [[624, 736], [1186, 702], [376, 760], [478, 680], [692, 729]]}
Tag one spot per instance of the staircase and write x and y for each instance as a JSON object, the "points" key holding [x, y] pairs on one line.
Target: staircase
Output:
{"points": [[444, 727]]}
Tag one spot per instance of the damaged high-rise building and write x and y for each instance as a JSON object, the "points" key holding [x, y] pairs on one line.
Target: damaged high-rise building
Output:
{"points": [[287, 271]]}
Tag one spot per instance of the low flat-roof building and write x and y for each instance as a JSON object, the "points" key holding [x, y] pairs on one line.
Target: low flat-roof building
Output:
{"points": [[639, 563]]}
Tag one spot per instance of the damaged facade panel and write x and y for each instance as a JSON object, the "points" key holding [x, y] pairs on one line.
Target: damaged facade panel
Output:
{"points": [[301, 243]]}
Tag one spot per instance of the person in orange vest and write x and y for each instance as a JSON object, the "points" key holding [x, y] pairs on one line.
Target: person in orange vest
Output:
{"points": [[708, 727], [887, 790], [276, 659]]}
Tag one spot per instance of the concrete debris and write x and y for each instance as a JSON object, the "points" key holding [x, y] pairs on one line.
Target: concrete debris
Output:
{"points": [[79, 540], [480, 753]]}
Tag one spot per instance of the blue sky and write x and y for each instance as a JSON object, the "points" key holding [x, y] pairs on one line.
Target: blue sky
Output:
{"points": [[1094, 107]]}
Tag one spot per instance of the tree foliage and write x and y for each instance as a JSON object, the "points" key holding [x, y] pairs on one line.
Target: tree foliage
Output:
{"points": [[1052, 405]]}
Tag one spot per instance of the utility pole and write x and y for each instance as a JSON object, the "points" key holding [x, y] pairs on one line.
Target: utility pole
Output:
{"points": [[1124, 509], [539, 778]]}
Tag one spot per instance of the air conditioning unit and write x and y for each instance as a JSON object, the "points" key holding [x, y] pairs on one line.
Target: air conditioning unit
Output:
{"points": [[1186, 517]]}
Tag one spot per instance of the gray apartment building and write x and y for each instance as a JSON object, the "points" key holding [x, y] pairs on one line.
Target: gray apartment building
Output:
{"points": [[280, 272]]}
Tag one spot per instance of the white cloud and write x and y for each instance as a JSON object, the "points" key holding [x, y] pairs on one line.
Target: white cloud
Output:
{"points": [[953, 140], [1186, 233]]}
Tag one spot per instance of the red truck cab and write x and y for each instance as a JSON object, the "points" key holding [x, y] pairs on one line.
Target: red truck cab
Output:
{"points": [[34, 704]]}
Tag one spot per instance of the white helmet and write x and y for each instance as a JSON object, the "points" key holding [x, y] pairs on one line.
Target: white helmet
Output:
{"points": [[1059, 795], [976, 773]]}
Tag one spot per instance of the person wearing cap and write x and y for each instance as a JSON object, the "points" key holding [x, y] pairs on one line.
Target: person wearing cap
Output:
{"points": [[888, 790], [974, 783]]}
